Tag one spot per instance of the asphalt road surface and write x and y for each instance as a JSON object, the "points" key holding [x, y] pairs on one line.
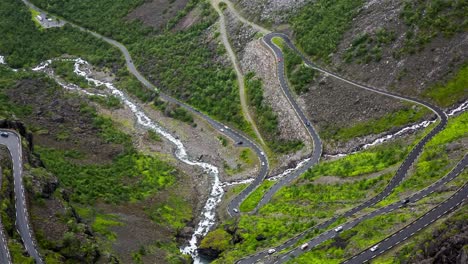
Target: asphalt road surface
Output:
{"points": [[317, 151], [388, 243], [329, 234], [4, 252], [13, 143], [387, 209]]}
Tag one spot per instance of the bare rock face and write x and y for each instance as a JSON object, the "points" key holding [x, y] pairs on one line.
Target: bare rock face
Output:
{"points": [[239, 33], [331, 103], [447, 244], [273, 12], [412, 73]]}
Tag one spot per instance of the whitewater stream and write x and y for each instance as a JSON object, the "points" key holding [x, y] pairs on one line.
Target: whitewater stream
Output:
{"points": [[461, 108], [208, 213]]}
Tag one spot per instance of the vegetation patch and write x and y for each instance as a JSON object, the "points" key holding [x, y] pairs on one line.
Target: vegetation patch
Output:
{"points": [[358, 238], [299, 75], [304, 204], [267, 119], [110, 102], [174, 111], [368, 47], [17, 253], [182, 13], [449, 93], [105, 16], [319, 26], [248, 156], [429, 19], [130, 177], [217, 240], [434, 161], [8, 78], [254, 198], [278, 42], [34, 15], [175, 212], [184, 65], [65, 69], [405, 116], [377, 159], [102, 224], [24, 45], [429, 242], [246, 159]]}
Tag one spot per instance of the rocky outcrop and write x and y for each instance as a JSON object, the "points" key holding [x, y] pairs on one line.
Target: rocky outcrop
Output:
{"points": [[239, 34], [274, 12], [209, 253], [410, 73], [20, 128], [446, 245]]}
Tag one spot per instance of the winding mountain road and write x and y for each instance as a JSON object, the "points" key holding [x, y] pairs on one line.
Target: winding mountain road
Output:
{"points": [[422, 222], [395, 181], [329, 234], [13, 143], [237, 136]]}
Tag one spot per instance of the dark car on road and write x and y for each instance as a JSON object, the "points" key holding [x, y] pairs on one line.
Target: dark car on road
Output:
{"points": [[4, 134]]}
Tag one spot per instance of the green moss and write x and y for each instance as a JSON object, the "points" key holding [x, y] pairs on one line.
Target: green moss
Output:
{"points": [[254, 198], [218, 240], [449, 93], [16, 252], [434, 161], [130, 177], [102, 223], [238, 188], [361, 163], [278, 42], [175, 212]]}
